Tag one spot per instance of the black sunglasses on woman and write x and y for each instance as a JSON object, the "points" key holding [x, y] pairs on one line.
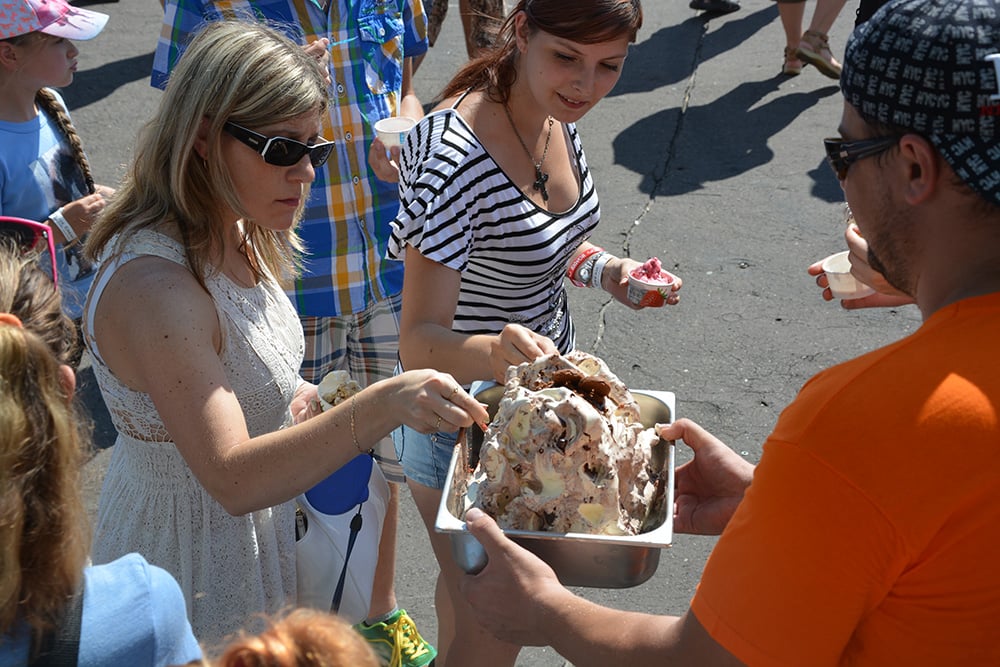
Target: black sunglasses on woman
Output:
{"points": [[280, 151]]}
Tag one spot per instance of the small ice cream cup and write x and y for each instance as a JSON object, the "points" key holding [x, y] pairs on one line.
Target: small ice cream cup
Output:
{"points": [[650, 293], [392, 131], [843, 285]]}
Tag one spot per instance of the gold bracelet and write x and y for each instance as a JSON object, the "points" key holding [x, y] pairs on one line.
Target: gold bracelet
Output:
{"points": [[354, 435]]}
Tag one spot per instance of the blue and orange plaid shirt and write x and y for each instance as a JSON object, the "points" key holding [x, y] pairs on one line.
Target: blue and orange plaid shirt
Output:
{"points": [[346, 222]]}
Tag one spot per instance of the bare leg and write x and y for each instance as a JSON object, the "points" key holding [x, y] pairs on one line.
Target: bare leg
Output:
{"points": [[465, 11], [436, 10], [417, 60], [480, 21], [825, 14], [461, 641], [814, 47], [383, 588], [791, 15]]}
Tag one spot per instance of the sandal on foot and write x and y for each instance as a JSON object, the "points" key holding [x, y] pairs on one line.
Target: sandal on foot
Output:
{"points": [[792, 65], [814, 49]]}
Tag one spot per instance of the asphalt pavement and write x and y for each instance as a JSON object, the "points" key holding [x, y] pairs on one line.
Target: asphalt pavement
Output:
{"points": [[705, 157]]}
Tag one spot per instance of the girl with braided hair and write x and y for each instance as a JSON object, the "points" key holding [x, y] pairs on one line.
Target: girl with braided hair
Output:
{"points": [[44, 173]]}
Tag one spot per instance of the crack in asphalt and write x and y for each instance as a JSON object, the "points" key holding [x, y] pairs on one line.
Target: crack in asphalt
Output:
{"points": [[657, 180]]}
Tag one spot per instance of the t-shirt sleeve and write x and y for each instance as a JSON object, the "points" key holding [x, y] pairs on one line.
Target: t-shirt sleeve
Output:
{"points": [[437, 195], [146, 609], [801, 561], [175, 640]]}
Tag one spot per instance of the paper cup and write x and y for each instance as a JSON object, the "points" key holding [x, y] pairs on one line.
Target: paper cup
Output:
{"points": [[649, 295], [842, 284], [392, 131]]}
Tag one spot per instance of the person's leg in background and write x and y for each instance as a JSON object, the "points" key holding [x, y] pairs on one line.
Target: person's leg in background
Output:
{"points": [[791, 13], [814, 47], [435, 10], [481, 21], [366, 346]]}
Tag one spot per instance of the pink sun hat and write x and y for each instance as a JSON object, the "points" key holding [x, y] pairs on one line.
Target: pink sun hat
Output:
{"points": [[53, 17]]}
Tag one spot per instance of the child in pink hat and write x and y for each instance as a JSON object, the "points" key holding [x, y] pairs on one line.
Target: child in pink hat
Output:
{"points": [[53, 17], [44, 173]]}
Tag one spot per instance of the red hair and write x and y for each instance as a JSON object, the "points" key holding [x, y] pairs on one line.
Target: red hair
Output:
{"points": [[303, 638]]}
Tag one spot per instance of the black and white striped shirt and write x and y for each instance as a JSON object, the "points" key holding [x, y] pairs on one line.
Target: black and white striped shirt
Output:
{"points": [[458, 208]]}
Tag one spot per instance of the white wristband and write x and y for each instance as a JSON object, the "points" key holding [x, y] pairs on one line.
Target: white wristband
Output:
{"points": [[60, 221], [599, 264]]}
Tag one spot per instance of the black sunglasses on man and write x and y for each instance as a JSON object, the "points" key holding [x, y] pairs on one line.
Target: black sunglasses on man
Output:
{"points": [[842, 154]]}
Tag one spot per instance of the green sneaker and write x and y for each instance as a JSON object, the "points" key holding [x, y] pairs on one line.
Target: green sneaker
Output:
{"points": [[397, 641]]}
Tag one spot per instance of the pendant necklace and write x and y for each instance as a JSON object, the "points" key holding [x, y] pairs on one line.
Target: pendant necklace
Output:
{"points": [[540, 176]]}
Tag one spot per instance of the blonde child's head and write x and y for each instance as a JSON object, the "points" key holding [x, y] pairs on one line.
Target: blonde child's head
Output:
{"points": [[43, 524]]}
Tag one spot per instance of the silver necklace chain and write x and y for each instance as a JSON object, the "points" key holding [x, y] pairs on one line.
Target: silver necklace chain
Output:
{"points": [[540, 176]]}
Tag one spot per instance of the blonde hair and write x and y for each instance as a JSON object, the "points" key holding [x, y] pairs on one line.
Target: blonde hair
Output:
{"points": [[44, 539], [303, 638], [29, 293], [235, 71]]}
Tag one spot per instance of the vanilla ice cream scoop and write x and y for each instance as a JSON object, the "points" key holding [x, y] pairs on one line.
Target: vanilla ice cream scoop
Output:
{"points": [[336, 387], [566, 451]]}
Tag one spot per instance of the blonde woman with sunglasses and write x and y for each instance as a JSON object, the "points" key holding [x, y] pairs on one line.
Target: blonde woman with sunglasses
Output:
{"points": [[197, 348]]}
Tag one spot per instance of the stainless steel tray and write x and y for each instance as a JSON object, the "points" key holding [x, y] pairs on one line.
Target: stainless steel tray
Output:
{"points": [[597, 561]]}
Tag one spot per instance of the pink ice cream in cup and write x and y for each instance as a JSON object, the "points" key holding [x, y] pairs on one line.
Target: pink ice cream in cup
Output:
{"points": [[649, 285]]}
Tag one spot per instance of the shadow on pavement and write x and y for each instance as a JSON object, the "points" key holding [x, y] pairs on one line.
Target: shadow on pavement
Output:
{"points": [[716, 141], [650, 64], [93, 85], [825, 185]]}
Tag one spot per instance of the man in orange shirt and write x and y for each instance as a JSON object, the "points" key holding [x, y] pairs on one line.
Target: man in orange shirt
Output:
{"points": [[867, 534]]}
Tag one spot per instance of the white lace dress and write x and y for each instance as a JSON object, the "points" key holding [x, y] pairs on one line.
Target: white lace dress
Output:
{"points": [[231, 569]]}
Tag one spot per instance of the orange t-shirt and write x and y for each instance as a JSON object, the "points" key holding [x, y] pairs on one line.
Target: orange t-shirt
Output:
{"points": [[871, 532]]}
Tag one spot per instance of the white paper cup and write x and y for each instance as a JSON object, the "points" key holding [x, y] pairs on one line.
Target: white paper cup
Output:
{"points": [[842, 284], [392, 131]]}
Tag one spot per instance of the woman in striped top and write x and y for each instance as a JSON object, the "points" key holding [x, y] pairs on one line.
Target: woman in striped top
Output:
{"points": [[497, 204]]}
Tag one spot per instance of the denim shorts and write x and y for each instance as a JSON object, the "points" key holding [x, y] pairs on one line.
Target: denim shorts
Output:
{"points": [[425, 457]]}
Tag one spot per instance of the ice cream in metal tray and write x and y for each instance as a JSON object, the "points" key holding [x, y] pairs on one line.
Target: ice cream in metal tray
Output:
{"points": [[571, 469]]}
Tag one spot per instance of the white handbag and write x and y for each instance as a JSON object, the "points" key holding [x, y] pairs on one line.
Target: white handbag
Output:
{"points": [[335, 564]]}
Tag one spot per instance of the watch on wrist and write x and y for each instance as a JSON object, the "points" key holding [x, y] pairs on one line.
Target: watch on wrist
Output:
{"points": [[598, 271]]}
